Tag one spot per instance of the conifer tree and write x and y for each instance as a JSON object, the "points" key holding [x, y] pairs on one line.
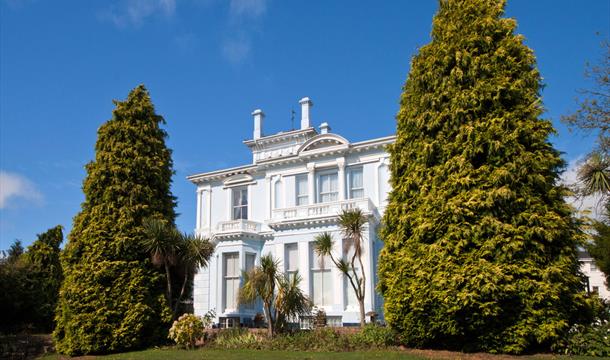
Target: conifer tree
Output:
{"points": [[112, 296], [480, 248]]}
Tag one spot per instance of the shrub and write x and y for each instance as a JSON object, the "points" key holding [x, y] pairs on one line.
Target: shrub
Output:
{"points": [[239, 338], [374, 336], [589, 340], [189, 328]]}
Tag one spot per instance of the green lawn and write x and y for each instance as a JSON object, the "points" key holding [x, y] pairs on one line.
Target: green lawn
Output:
{"points": [[209, 354], [205, 354]]}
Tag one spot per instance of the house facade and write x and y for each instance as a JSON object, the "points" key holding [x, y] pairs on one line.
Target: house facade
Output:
{"points": [[298, 183], [294, 189]]}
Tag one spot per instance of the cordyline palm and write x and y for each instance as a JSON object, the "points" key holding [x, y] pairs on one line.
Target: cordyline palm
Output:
{"points": [[170, 248], [352, 223], [194, 252], [162, 242], [594, 175], [262, 282]]}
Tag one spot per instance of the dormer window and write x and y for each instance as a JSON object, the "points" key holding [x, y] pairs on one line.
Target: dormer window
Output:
{"points": [[240, 203]]}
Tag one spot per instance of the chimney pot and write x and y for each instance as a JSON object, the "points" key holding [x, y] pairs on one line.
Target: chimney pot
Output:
{"points": [[306, 105], [258, 115], [324, 128]]}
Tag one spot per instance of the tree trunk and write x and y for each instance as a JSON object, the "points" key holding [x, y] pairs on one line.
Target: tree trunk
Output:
{"points": [[169, 284], [186, 276], [362, 316], [269, 320]]}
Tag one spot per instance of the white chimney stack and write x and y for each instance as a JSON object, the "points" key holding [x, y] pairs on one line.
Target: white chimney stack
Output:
{"points": [[324, 128], [306, 105], [258, 115]]}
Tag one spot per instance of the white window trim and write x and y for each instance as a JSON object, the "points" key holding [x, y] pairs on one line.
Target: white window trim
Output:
{"points": [[231, 202], [350, 190], [296, 190], [319, 194], [225, 278]]}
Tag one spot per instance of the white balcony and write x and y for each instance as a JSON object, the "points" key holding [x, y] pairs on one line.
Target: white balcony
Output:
{"points": [[234, 228], [318, 212]]}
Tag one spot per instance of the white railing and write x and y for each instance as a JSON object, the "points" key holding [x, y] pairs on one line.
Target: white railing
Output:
{"points": [[239, 226], [322, 209]]}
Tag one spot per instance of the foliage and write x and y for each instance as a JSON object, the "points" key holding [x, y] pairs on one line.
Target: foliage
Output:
{"points": [[322, 339], [179, 254], [282, 298], [480, 247], [352, 223], [238, 338], [29, 283], [112, 296], [189, 328], [592, 339], [45, 275], [375, 336]]}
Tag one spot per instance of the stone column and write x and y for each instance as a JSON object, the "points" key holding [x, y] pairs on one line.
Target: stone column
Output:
{"points": [[311, 192], [341, 177]]}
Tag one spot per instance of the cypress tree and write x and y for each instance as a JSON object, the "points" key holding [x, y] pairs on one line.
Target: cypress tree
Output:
{"points": [[480, 248], [112, 297]]}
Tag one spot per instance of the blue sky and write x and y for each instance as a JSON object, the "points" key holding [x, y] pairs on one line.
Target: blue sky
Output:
{"points": [[209, 63]]}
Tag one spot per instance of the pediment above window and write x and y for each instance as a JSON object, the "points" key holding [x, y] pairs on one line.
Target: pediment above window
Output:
{"points": [[322, 142], [238, 179]]}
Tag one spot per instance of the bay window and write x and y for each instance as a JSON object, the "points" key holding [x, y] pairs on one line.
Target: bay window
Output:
{"points": [[230, 280]]}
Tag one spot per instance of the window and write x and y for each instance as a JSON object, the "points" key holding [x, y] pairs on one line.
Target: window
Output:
{"points": [[277, 190], [321, 280], [231, 280], [595, 290], [250, 259], [593, 267], [356, 187], [291, 259], [327, 187], [301, 190], [240, 203]]}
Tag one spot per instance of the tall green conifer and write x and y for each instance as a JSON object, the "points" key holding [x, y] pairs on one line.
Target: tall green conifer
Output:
{"points": [[112, 297], [480, 247]]}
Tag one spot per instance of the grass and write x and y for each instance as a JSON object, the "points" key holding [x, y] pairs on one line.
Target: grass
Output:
{"points": [[211, 354]]}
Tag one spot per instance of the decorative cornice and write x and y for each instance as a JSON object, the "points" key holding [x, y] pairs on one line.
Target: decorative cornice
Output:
{"points": [[292, 159]]}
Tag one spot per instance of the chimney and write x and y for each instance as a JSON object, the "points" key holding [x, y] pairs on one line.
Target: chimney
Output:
{"points": [[258, 115], [306, 105], [324, 128]]}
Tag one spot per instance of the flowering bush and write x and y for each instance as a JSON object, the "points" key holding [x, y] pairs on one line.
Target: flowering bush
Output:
{"points": [[189, 328]]}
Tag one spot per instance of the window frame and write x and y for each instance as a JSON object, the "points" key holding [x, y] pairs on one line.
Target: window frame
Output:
{"points": [[350, 189], [314, 268], [225, 281], [297, 195], [319, 193], [242, 207]]}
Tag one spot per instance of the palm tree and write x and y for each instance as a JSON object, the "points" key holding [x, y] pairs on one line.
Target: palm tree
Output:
{"points": [[162, 242], [594, 176], [180, 254], [352, 223], [194, 252], [262, 282]]}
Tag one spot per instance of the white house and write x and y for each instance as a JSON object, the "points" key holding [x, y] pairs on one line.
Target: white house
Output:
{"points": [[294, 189], [296, 186]]}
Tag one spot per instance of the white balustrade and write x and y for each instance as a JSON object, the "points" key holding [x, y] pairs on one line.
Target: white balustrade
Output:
{"points": [[240, 225], [323, 209]]}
